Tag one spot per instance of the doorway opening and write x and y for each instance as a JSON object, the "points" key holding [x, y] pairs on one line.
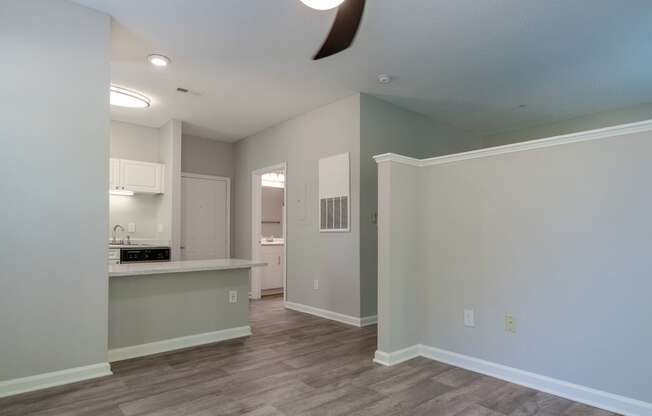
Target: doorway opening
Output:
{"points": [[269, 231]]}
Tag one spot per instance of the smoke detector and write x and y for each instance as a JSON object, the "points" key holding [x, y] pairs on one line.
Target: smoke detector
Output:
{"points": [[384, 78]]}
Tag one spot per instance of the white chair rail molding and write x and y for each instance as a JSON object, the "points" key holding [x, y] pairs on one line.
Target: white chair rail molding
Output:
{"points": [[525, 262]]}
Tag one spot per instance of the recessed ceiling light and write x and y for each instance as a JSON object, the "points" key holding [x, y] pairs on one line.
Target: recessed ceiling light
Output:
{"points": [[322, 4], [158, 60], [124, 97], [384, 78]]}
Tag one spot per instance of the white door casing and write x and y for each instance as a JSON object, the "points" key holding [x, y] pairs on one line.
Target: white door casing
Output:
{"points": [[205, 217]]}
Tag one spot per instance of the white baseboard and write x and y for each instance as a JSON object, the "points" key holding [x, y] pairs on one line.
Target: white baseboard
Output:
{"points": [[333, 316], [126, 353], [55, 378], [369, 320], [582, 394], [396, 357]]}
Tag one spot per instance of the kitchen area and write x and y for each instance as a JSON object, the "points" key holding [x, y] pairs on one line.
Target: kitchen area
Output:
{"points": [[172, 283]]}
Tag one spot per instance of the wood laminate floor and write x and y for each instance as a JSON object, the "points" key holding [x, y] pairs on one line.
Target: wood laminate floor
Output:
{"points": [[294, 364]]}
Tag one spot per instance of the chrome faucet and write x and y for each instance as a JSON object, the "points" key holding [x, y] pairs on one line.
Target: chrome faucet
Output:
{"points": [[115, 230]]}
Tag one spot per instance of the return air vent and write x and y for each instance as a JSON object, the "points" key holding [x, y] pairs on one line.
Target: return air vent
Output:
{"points": [[334, 194], [334, 213]]}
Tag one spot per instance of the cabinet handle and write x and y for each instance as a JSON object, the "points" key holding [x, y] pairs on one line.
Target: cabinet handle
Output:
{"points": [[279, 259]]}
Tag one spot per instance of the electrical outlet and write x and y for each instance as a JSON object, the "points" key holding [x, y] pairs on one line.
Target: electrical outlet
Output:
{"points": [[510, 324], [316, 284], [233, 296], [469, 318], [131, 227]]}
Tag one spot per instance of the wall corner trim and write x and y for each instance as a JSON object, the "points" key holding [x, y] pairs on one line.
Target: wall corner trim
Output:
{"points": [[604, 133], [369, 320], [582, 394], [333, 316], [53, 379], [172, 344]]}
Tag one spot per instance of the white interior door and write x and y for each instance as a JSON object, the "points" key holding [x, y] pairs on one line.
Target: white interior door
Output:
{"points": [[204, 217]]}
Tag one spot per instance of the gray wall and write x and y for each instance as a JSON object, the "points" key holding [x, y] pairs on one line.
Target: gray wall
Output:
{"points": [[130, 141], [54, 160], [558, 237], [332, 258], [588, 122], [386, 128], [210, 157], [206, 156]]}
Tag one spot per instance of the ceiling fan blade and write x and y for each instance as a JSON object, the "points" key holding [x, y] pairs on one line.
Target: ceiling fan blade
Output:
{"points": [[342, 34]]}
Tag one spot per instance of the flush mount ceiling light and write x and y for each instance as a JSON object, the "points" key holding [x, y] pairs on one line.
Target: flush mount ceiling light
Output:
{"points": [[322, 4], [160, 61], [124, 97]]}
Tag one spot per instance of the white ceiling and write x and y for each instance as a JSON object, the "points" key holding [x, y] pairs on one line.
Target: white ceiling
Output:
{"points": [[467, 63]]}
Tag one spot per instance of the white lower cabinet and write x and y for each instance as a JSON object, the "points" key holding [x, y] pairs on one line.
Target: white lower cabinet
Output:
{"points": [[272, 274], [136, 176]]}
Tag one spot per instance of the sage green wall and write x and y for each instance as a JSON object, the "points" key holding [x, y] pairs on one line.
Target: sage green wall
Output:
{"points": [[588, 122], [386, 128]]}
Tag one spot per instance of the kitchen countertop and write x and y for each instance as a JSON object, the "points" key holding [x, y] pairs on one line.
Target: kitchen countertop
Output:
{"points": [[136, 246], [140, 269]]}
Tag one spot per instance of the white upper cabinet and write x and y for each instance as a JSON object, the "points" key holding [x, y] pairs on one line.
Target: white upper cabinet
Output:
{"points": [[136, 176]]}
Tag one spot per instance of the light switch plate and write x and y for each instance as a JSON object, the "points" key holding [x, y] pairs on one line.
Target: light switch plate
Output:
{"points": [[469, 318], [316, 284], [159, 228], [233, 296]]}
